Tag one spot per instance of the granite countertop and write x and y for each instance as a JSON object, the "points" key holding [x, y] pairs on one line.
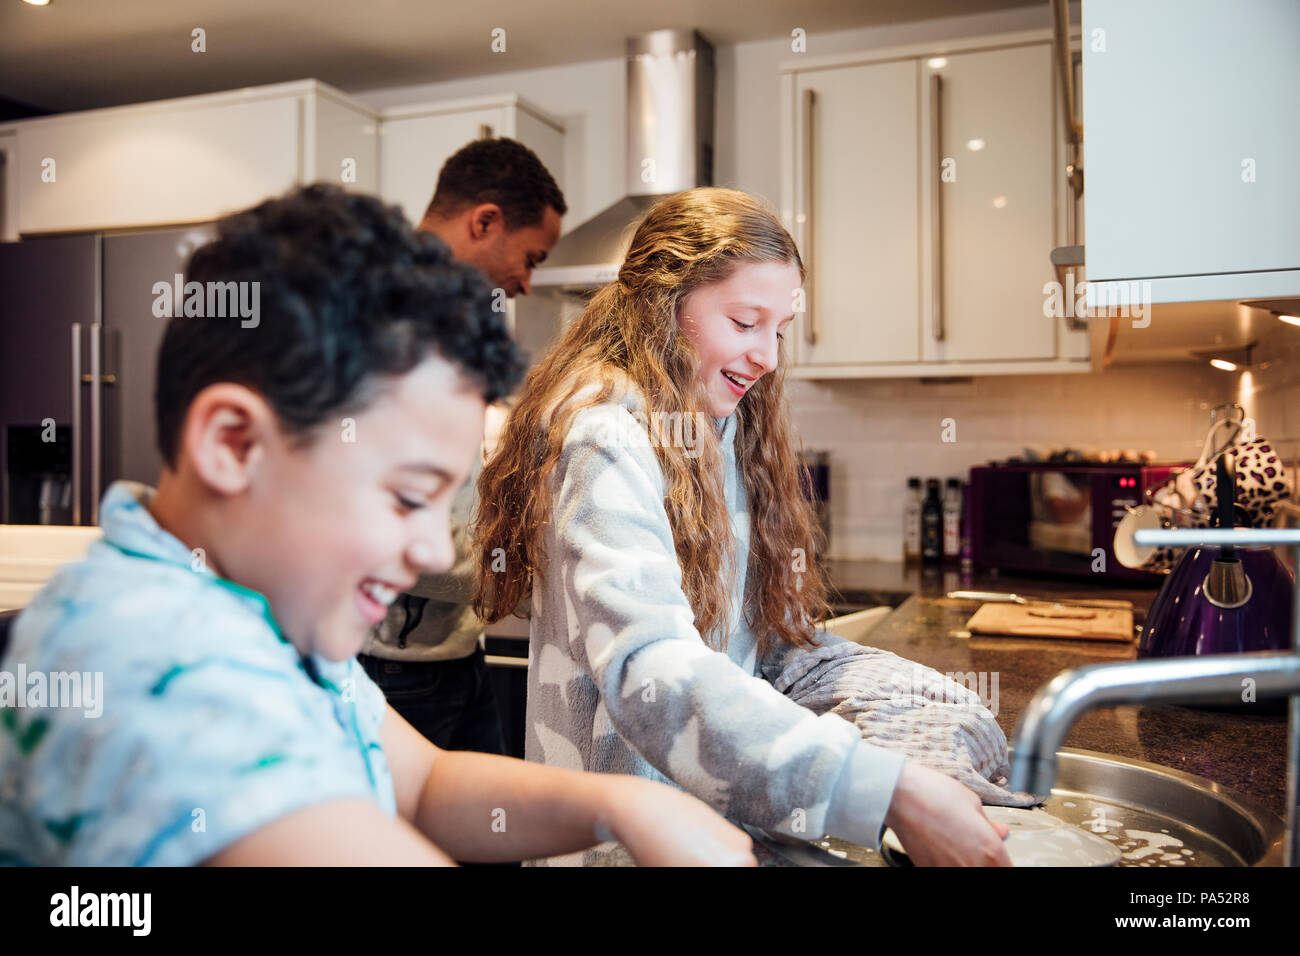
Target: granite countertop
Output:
{"points": [[1245, 752]]}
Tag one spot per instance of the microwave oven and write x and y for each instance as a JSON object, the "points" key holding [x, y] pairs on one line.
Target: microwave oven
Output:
{"points": [[1057, 518]]}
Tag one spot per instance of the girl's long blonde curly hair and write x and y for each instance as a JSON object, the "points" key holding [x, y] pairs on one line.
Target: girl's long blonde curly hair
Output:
{"points": [[631, 326]]}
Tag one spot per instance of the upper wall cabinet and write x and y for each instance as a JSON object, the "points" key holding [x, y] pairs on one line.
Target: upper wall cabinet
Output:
{"points": [[1190, 110], [924, 188], [187, 160], [417, 140]]}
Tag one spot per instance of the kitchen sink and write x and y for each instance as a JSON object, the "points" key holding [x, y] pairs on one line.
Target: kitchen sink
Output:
{"points": [[862, 600], [1156, 816], [854, 621]]}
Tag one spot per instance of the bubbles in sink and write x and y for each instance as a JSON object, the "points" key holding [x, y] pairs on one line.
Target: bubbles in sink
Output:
{"points": [[1154, 839], [1142, 836], [1155, 845]]}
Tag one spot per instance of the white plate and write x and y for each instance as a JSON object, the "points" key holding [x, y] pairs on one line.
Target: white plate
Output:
{"points": [[1039, 839]]}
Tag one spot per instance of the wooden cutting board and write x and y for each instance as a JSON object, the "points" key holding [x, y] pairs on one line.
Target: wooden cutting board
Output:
{"points": [[1053, 620]]}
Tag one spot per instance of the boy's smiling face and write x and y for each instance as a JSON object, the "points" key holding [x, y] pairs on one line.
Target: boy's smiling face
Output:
{"points": [[330, 531]]}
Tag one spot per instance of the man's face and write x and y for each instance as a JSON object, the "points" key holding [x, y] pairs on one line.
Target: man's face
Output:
{"points": [[508, 257], [736, 326], [342, 526]]}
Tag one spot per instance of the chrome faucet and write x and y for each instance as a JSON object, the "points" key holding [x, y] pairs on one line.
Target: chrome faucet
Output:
{"points": [[1043, 725]]}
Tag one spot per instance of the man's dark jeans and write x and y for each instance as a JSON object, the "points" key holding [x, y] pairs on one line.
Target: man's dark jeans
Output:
{"points": [[450, 702]]}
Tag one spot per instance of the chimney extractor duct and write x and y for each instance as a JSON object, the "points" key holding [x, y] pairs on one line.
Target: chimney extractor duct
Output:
{"points": [[670, 93]]}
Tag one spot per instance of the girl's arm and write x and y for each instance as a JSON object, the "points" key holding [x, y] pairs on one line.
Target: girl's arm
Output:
{"points": [[701, 720], [935, 720]]}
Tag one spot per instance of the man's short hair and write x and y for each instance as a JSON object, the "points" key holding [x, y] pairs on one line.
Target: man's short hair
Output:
{"points": [[502, 171], [348, 295]]}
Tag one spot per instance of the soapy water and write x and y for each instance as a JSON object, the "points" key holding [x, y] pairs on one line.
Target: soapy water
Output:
{"points": [[1143, 838]]}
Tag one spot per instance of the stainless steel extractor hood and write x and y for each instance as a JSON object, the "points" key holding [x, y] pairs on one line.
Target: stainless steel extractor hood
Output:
{"points": [[670, 93]]}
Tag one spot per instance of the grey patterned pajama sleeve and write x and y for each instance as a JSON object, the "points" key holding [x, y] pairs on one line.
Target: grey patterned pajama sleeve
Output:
{"points": [[803, 742]]}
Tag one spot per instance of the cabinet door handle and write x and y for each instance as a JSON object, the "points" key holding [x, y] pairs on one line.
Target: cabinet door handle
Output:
{"points": [[936, 209], [76, 423], [806, 224]]}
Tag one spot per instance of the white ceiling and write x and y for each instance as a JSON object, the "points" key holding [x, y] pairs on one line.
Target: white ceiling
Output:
{"points": [[79, 54]]}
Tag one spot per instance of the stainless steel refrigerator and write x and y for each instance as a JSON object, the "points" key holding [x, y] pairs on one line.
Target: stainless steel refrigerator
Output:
{"points": [[78, 343]]}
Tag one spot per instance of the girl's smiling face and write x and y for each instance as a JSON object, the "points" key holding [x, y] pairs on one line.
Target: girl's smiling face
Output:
{"points": [[736, 326]]}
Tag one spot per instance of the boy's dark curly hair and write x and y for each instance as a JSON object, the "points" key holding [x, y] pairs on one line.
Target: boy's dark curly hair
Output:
{"points": [[502, 171], [349, 294]]}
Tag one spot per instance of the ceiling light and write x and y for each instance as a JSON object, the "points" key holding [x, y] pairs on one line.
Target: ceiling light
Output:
{"points": [[937, 62], [999, 202], [1292, 319], [1226, 366], [38, 3], [975, 145]]}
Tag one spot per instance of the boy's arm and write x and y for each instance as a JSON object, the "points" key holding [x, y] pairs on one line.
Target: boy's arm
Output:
{"points": [[486, 808], [352, 832], [480, 807]]}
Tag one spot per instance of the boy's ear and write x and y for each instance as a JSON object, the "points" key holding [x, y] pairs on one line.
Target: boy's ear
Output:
{"points": [[225, 435]]}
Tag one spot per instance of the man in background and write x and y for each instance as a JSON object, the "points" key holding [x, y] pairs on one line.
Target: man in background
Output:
{"points": [[498, 209]]}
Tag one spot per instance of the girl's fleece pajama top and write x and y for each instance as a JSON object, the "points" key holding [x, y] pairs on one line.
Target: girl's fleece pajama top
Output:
{"points": [[803, 742]]}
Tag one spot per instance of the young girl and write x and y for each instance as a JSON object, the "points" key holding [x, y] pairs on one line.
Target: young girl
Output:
{"points": [[647, 494]]}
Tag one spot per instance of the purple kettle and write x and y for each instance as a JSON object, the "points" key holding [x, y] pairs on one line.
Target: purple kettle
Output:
{"points": [[1221, 600]]}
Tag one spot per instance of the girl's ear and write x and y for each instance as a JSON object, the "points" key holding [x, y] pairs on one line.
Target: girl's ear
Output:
{"points": [[225, 436]]}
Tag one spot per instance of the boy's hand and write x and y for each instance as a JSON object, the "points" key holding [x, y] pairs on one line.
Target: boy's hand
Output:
{"points": [[942, 823], [662, 826]]}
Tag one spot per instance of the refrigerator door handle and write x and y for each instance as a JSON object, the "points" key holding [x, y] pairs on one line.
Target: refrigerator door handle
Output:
{"points": [[76, 423], [96, 419]]}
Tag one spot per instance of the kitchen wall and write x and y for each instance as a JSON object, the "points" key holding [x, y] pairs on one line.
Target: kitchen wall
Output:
{"points": [[1270, 389], [882, 431]]}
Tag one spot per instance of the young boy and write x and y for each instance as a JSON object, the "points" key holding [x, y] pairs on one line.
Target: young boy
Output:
{"points": [[311, 454]]}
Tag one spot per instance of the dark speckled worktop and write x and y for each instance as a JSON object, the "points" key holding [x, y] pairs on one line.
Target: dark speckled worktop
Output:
{"points": [[1245, 752]]}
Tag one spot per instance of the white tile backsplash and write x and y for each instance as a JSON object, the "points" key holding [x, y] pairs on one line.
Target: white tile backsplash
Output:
{"points": [[881, 431]]}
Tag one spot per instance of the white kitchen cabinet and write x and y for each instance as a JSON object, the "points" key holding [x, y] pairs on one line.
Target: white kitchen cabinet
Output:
{"points": [[927, 215], [191, 159], [857, 213], [991, 240], [1190, 111], [417, 140]]}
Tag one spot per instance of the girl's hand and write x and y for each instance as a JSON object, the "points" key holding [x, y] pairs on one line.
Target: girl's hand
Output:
{"points": [[942, 823], [662, 826]]}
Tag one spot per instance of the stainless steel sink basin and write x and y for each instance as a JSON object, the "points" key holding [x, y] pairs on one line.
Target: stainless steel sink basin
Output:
{"points": [[1155, 816]]}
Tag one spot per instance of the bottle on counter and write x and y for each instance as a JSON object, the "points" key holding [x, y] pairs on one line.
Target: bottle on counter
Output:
{"points": [[967, 549], [952, 522], [912, 522], [932, 524]]}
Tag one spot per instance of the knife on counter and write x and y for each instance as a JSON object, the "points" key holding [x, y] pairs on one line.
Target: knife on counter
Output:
{"points": [[1001, 597]]}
